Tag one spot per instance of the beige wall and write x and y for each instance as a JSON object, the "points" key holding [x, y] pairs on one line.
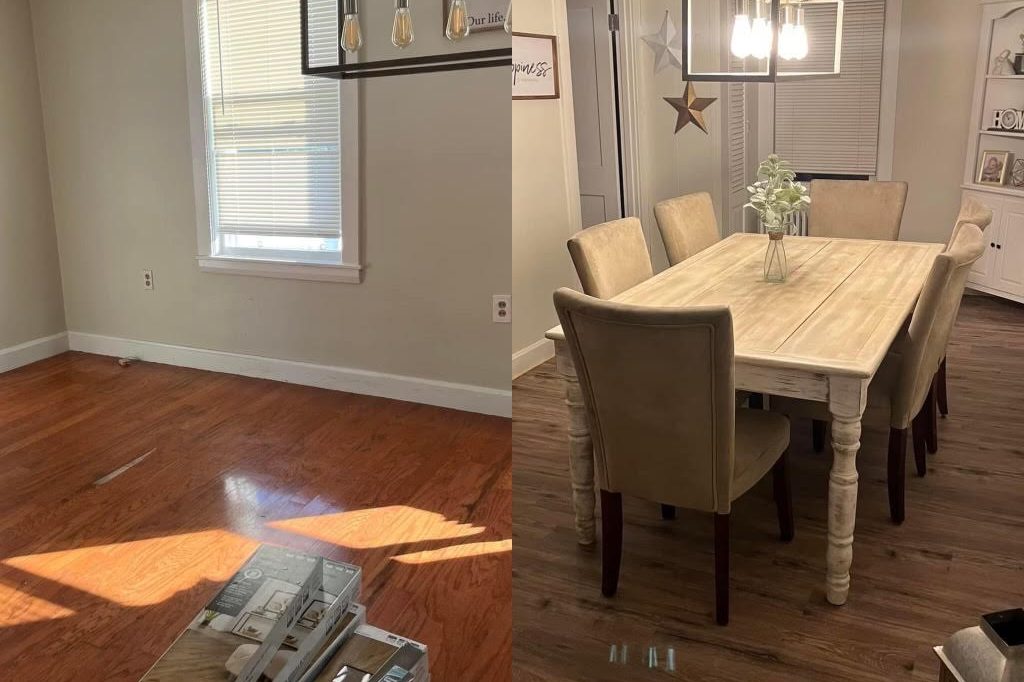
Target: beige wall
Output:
{"points": [[30, 290], [545, 186], [436, 209], [938, 53]]}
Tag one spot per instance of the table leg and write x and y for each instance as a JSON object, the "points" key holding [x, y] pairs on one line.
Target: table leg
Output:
{"points": [[847, 399], [581, 449]]}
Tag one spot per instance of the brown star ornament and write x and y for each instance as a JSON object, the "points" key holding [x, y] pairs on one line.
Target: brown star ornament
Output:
{"points": [[691, 109]]}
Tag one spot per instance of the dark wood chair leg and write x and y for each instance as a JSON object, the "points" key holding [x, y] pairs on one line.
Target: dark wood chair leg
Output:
{"points": [[818, 435], [897, 474], [940, 392], [932, 423], [611, 541], [783, 497], [668, 512], [756, 401], [722, 569], [919, 428]]}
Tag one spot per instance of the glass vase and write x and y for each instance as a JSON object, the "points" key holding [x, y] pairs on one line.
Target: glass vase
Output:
{"points": [[776, 268]]}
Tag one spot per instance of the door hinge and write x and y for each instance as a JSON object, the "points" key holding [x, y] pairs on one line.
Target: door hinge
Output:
{"points": [[613, 22]]}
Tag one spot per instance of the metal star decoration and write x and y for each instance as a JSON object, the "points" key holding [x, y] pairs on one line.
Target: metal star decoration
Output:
{"points": [[691, 109], [667, 45]]}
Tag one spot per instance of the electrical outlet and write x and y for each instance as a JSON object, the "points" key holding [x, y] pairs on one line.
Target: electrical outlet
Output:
{"points": [[501, 311], [147, 280]]}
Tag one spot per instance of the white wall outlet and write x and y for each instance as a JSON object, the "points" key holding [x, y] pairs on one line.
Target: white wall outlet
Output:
{"points": [[501, 309], [147, 280]]}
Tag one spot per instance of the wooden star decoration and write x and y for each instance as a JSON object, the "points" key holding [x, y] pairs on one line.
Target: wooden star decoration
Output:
{"points": [[691, 109]]}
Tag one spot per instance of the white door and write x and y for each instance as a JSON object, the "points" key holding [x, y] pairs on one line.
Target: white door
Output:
{"points": [[1009, 266], [983, 269], [593, 91]]}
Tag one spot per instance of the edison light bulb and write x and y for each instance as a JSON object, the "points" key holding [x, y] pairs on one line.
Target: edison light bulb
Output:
{"points": [[787, 37], [508, 18], [801, 46], [761, 38], [458, 21], [402, 34], [741, 37], [351, 33]]}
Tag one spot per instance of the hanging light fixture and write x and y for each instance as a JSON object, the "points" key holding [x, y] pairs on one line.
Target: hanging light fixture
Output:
{"points": [[402, 33], [351, 32], [508, 18], [774, 30], [457, 27]]}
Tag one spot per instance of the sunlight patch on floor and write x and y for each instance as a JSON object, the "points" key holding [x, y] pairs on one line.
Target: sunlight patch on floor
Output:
{"points": [[466, 551], [20, 608], [379, 527]]}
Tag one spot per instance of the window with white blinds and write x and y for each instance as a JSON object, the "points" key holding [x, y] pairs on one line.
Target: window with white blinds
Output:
{"points": [[831, 125], [273, 136]]}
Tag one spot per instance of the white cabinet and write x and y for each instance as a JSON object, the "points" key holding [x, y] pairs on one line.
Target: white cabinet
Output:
{"points": [[1001, 270]]}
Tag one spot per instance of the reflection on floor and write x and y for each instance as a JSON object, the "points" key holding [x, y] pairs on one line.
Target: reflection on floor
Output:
{"points": [[960, 553], [97, 581]]}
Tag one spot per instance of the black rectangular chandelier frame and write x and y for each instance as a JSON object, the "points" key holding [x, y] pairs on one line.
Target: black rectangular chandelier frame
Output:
{"points": [[452, 61]]}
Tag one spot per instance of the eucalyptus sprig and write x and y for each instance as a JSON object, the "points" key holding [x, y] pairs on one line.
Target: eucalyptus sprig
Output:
{"points": [[777, 195]]}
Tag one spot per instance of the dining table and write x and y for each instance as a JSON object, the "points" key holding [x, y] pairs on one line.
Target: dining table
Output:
{"points": [[820, 335]]}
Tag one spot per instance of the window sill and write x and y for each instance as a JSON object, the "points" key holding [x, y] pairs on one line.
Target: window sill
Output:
{"points": [[348, 274]]}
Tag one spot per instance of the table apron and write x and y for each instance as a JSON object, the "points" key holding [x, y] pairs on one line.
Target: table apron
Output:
{"points": [[781, 381]]}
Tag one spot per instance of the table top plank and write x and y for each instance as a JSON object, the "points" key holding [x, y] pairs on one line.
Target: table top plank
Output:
{"points": [[838, 312]]}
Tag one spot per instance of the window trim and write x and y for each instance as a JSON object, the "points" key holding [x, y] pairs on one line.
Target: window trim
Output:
{"points": [[350, 268]]}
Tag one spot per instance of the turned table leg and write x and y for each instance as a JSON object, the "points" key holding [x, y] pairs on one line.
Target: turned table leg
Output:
{"points": [[581, 449], [847, 399]]}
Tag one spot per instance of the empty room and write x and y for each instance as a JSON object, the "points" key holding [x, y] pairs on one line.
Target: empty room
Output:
{"points": [[254, 392], [769, 340]]}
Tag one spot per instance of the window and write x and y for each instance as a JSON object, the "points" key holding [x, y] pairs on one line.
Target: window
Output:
{"points": [[276, 157], [832, 126]]}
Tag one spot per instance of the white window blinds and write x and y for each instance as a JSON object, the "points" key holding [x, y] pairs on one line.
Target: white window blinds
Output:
{"points": [[273, 136], [831, 125]]}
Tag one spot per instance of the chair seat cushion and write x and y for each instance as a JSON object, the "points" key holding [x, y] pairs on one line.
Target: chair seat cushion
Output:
{"points": [[761, 438]]}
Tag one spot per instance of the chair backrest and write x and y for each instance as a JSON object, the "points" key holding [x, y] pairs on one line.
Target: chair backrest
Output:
{"points": [[856, 209], [688, 225], [658, 387], [611, 257], [932, 323], [973, 212]]}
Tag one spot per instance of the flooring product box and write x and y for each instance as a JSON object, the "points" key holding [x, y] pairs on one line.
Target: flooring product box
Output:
{"points": [[278, 615], [372, 655]]}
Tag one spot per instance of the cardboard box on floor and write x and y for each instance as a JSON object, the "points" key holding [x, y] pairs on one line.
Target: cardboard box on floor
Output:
{"points": [[286, 616]]}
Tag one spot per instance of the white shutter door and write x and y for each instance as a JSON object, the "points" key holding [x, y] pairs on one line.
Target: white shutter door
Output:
{"points": [[273, 135], [737, 137], [831, 125]]}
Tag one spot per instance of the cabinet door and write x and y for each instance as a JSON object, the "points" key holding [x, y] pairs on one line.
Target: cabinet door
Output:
{"points": [[985, 267], [1009, 264]]}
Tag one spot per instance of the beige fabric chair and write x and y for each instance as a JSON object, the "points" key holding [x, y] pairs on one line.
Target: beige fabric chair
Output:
{"points": [[901, 394], [856, 209], [611, 257], [688, 225], [658, 387], [972, 212]]}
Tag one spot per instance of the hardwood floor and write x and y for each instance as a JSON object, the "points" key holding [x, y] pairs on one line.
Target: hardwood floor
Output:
{"points": [[959, 554], [96, 581]]}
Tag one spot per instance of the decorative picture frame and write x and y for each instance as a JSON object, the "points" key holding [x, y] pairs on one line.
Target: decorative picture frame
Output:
{"points": [[535, 72], [993, 168], [484, 15]]}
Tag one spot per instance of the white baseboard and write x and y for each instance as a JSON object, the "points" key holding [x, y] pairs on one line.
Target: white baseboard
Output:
{"points": [[533, 355], [33, 351], [410, 389]]}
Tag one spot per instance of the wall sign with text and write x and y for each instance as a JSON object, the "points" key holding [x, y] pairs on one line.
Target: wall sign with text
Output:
{"points": [[534, 66]]}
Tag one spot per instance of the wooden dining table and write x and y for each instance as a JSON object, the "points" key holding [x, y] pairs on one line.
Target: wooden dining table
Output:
{"points": [[821, 335]]}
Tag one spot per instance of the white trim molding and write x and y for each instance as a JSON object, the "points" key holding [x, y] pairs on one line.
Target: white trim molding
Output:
{"points": [[534, 355], [463, 397], [32, 351], [350, 274]]}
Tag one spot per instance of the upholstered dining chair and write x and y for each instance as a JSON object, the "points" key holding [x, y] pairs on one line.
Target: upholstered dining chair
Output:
{"points": [[611, 257], [901, 394], [659, 392], [972, 212], [856, 209], [688, 225]]}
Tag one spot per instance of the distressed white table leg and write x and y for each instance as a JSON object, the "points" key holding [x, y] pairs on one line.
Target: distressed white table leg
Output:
{"points": [[581, 449], [847, 399]]}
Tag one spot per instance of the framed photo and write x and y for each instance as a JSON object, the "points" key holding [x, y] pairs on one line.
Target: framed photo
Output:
{"points": [[534, 66], [484, 15], [993, 168]]}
